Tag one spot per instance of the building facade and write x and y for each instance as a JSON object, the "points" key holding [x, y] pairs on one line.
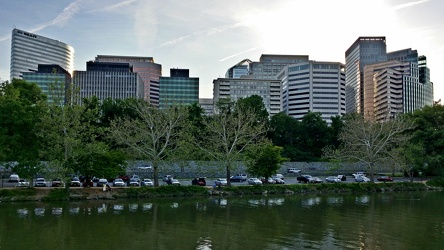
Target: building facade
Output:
{"points": [[53, 80], [28, 50], [236, 88], [239, 70], [147, 69], [108, 80], [313, 87], [270, 65], [364, 51], [207, 105], [392, 88], [179, 88]]}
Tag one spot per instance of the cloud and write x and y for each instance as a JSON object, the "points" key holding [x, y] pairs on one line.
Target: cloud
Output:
{"points": [[114, 6], [407, 5], [228, 57], [207, 32]]}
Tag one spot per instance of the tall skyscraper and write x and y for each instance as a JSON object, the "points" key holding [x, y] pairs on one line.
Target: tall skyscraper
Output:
{"points": [[364, 51], [238, 70], [313, 86], [107, 80], [270, 65], [28, 50], [149, 71], [53, 80], [179, 88]]}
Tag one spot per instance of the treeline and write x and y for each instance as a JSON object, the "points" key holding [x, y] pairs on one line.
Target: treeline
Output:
{"points": [[96, 138]]}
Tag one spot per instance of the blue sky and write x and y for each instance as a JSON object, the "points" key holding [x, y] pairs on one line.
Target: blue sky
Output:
{"points": [[209, 36]]}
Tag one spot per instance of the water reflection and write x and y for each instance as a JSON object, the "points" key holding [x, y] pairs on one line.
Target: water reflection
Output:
{"points": [[118, 208], [204, 243], [147, 206], [57, 211], [39, 211], [22, 212], [309, 202], [335, 200], [102, 209], [133, 207], [362, 200]]}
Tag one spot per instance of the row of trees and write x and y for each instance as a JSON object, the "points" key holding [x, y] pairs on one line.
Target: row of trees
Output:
{"points": [[96, 139]]}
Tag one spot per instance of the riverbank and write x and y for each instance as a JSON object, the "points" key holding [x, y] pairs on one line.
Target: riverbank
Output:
{"points": [[65, 194]]}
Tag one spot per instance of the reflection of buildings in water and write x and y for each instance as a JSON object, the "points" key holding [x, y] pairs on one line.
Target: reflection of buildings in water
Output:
{"points": [[147, 206], [311, 201], [175, 205], [39, 211], [364, 199], [74, 210], [335, 200], [22, 212], [133, 207], [57, 211]]}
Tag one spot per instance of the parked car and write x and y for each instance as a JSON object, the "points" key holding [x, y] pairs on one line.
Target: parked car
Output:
{"points": [[242, 176], [221, 182], [174, 182], [385, 178], [147, 183], [254, 181], [75, 182], [136, 177], [358, 174], [333, 179], [280, 176], [279, 181], [362, 179], [118, 182], [316, 180], [23, 183], [200, 181], [342, 177], [305, 178], [125, 178], [293, 170], [133, 182], [14, 178], [236, 178], [40, 182], [57, 182], [268, 181], [102, 182], [166, 178], [144, 167]]}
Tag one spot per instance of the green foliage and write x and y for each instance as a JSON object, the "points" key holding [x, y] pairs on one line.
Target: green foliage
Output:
{"points": [[57, 194], [17, 192], [436, 182], [265, 160]]}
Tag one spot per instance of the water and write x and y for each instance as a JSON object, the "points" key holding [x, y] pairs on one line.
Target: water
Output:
{"points": [[375, 221]]}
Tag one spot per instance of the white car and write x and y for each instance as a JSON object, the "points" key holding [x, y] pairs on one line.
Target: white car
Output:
{"points": [[358, 174], [333, 179], [40, 182], [280, 176], [118, 182], [23, 183], [147, 183], [221, 182], [254, 181], [362, 179], [14, 178], [279, 181]]}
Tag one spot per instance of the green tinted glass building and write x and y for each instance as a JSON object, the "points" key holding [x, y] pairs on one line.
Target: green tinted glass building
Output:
{"points": [[178, 89]]}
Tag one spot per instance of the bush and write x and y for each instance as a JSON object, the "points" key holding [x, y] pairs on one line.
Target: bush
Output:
{"points": [[436, 182]]}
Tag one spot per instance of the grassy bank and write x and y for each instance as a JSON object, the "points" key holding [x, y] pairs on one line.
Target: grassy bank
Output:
{"points": [[58, 194]]}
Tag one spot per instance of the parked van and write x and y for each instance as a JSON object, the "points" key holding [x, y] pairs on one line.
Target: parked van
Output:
{"points": [[293, 170], [14, 178]]}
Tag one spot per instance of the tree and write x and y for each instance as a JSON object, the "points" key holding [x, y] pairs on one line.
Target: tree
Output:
{"points": [[429, 134], [152, 135], [265, 160], [21, 107], [229, 133], [256, 104], [369, 142]]}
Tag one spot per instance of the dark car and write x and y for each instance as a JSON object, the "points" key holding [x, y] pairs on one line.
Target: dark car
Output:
{"points": [[199, 181], [236, 178], [57, 182], [385, 178], [305, 178]]}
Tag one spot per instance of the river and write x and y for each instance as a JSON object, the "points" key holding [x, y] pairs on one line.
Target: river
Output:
{"points": [[339, 221]]}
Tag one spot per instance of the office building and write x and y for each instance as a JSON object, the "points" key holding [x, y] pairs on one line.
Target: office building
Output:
{"points": [[53, 80], [364, 51], [207, 105], [392, 88], [239, 70], [149, 71], [28, 50], [270, 65], [313, 86], [178, 89], [236, 88], [108, 80]]}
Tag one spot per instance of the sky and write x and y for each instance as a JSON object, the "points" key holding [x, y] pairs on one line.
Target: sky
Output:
{"points": [[209, 36]]}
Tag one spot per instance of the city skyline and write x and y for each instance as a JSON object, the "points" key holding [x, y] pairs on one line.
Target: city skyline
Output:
{"points": [[209, 37]]}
